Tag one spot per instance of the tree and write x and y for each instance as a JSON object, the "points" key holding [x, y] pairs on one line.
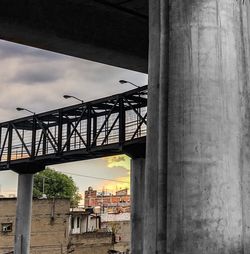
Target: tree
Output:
{"points": [[55, 184]]}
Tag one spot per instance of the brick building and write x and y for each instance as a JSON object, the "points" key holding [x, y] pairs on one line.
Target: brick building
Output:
{"points": [[49, 228], [55, 229], [92, 198]]}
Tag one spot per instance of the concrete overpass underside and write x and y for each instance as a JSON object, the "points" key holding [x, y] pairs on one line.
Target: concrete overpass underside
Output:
{"points": [[113, 32]]}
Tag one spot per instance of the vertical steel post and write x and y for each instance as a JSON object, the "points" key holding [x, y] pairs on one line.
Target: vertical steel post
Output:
{"points": [[68, 135], [0, 138], [33, 142], [94, 129], [89, 128], [44, 142], [60, 127], [10, 143], [122, 134]]}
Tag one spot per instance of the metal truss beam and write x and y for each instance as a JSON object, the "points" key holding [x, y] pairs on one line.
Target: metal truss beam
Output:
{"points": [[111, 125]]}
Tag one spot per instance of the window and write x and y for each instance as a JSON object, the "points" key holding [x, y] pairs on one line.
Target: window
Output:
{"points": [[78, 222], [72, 222], [6, 227]]}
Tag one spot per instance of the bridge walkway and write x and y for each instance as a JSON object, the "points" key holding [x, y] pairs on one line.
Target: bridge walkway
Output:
{"points": [[107, 126]]}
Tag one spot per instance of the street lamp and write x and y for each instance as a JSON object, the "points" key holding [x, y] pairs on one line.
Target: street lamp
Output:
{"points": [[66, 96], [128, 82], [25, 109]]}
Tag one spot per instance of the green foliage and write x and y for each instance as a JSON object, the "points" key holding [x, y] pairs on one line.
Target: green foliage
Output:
{"points": [[56, 185]]}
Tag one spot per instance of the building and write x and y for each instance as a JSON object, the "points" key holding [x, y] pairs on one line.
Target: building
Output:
{"points": [[119, 224], [56, 229], [83, 221], [49, 229], [106, 200]]}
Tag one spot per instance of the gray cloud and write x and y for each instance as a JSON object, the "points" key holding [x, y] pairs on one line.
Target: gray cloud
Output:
{"points": [[31, 77], [13, 50], [24, 71], [8, 50]]}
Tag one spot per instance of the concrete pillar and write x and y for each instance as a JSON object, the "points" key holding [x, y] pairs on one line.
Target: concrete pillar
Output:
{"points": [[202, 169], [23, 214], [151, 170], [137, 204]]}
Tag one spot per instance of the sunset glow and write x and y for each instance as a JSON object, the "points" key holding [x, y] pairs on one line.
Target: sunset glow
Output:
{"points": [[122, 182]]}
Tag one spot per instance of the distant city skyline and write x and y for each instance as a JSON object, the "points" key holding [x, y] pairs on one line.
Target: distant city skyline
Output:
{"points": [[37, 79]]}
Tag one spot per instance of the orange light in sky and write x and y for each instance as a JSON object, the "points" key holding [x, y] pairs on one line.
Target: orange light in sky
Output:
{"points": [[121, 161]]}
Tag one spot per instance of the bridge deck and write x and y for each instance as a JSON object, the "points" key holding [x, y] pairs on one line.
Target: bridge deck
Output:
{"points": [[103, 127]]}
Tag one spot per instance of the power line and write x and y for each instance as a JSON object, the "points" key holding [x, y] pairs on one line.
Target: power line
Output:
{"points": [[94, 177]]}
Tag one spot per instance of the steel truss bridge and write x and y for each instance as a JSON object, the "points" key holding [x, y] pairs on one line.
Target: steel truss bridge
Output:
{"points": [[103, 127]]}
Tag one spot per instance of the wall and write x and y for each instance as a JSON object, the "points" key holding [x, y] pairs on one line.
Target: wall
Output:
{"points": [[7, 215], [93, 199], [91, 242], [49, 230], [120, 225], [87, 223]]}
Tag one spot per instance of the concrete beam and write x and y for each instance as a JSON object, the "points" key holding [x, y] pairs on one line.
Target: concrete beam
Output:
{"points": [[86, 29]]}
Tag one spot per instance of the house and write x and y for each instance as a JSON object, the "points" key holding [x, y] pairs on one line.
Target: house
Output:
{"points": [[49, 229], [55, 228], [120, 202], [119, 225], [84, 220]]}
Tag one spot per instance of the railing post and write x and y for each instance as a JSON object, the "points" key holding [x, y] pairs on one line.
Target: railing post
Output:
{"points": [[89, 128], [94, 129], [33, 142], [10, 143], [68, 135], [122, 118], [0, 139], [60, 125], [44, 142]]}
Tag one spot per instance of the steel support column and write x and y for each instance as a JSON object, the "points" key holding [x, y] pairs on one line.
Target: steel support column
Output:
{"points": [[23, 214], [137, 205]]}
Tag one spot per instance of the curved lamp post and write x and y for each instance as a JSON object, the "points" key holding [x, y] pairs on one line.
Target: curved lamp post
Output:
{"points": [[128, 82], [25, 109], [66, 96]]}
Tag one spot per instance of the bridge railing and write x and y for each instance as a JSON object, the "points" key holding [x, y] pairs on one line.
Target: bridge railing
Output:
{"points": [[88, 126]]}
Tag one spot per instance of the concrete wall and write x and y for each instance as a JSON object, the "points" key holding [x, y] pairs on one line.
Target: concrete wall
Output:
{"points": [[7, 215], [105, 217], [49, 230], [91, 242], [87, 223], [120, 225]]}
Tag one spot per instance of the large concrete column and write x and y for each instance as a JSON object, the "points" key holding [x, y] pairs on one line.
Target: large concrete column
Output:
{"points": [[151, 169], [23, 214], [137, 204], [203, 163]]}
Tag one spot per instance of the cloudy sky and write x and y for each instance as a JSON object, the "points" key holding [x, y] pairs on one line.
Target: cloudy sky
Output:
{"points": [[37, 79]]}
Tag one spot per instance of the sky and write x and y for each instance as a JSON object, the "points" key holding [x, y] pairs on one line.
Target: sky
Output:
{"points": [[37, 79]]}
